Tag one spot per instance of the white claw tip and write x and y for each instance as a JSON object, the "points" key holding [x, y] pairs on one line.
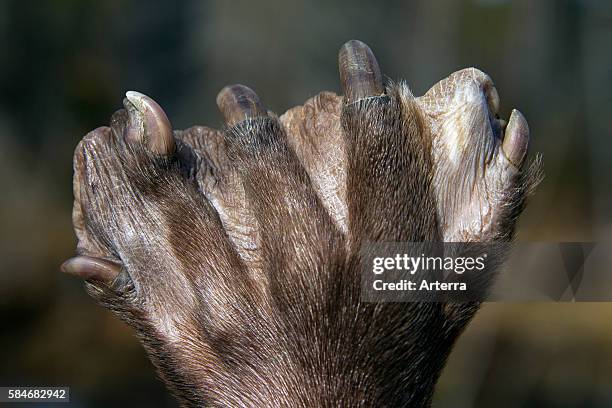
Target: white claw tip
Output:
{"points": [[154, 122], [135, 97]]}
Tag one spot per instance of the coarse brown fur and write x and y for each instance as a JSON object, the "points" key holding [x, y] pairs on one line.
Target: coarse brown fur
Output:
{"points": [[239, 255]]}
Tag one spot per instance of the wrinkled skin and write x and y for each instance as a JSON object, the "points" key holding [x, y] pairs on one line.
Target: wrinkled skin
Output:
{"points": [[234, 252]]}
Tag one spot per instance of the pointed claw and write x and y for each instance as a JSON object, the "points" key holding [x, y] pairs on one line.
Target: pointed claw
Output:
{"points": [[89, 268], [360, 75], [516, 139], [238, 103], [148, 123]]}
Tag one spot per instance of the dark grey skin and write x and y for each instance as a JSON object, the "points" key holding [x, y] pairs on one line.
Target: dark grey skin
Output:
{"points": [[234, 253]]}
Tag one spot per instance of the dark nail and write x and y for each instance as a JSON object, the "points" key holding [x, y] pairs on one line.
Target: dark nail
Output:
{"points": [[360, 75], [238, 103]]}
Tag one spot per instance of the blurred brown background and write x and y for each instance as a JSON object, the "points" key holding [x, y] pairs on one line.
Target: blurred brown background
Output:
{"points": [[65, 65]]}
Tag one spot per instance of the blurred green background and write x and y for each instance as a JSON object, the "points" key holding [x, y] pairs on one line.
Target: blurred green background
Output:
{"points": [[65, 65]]}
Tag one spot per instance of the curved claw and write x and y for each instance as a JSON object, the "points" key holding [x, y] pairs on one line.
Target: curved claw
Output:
{"points": [[148, 118], [516, 139], [360, 74], [90, 268], [238, 103]]}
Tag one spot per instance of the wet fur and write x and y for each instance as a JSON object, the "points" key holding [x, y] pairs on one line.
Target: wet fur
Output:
{"points": [[288, 329]]}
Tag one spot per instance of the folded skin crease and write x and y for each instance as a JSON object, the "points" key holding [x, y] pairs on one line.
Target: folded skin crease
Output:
{"points": [[234, 252]]}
